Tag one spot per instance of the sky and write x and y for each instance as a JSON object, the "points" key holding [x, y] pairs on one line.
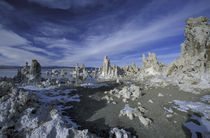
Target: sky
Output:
{"points": [[66, 32]]}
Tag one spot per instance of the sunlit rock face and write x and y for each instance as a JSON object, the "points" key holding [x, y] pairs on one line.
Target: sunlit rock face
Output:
{"points": [[106, 66], [131, 70], [151, 66], [193, 65], [195, 51], [107, 71], [197, 37]]}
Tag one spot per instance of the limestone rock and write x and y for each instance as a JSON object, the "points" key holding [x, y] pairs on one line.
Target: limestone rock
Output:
{"points": [[35, 70], [195, 51], [5, 88], [11, 105], [130, 70], [193, 65], [63, 73], [126, 93], [135, 67], [55, 72], [119, 133], [29, 74], [135, 112], [83, 70], [151, 66], [76, 68], [106, 66], [109, 72]]}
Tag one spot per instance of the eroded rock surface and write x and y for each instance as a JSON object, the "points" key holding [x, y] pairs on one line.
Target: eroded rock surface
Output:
{"points": [[131, 92], [135, 112], [109, 72], [151, 66], [193, 65], [29, 74]]}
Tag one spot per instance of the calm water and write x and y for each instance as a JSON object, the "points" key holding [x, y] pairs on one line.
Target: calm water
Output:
{"points": [[10, 73]]}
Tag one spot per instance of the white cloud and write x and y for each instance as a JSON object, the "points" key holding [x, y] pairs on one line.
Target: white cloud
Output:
{"points": [[9, 38], [133, 36], [17, 56], [137, 33]]}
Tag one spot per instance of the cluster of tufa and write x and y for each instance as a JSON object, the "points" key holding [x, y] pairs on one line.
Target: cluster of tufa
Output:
{"points": [[28, 73], [191, 68], [107, 71], [195, 51]]}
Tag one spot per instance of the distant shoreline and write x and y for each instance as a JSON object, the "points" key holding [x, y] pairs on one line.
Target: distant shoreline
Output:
{"points": [[45, 67]]}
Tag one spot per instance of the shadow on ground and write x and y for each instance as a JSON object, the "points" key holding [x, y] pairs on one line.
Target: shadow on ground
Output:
{"points": [[87, 107]]}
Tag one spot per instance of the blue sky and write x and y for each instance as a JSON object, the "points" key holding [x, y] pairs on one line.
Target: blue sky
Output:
{"points": [[66, 32]]}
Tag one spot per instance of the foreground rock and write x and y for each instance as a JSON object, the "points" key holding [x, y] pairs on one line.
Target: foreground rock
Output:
{"points": [[23, 116], [120, 133], [12, 104], [135, 112], [32, 112], [126, 93]]}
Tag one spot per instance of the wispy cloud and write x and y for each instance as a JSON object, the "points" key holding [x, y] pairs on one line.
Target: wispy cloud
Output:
{"points": [[133, 36], [9, 38], [15, 50], [123, 33]]}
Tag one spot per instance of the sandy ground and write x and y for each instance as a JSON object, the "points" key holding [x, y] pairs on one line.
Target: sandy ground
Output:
{"points": [[98, 116]]}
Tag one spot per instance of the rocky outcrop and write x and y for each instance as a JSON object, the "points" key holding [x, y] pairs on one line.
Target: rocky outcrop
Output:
{"points": [[35, 70], [83, 71], [77, 68], [195, 51], [151, 66], [135, 112], [197, 38], [194, 60], [133, 69], [80, 71], [106, 68], [56, 128], [120, 133], [12, 103], [29, 74], [127, 93], [63, 73], [21, 115], [5, 88], [192, 69], [25, 114], [109, 72]]}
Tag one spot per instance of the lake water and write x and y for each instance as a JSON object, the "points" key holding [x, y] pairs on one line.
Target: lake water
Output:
{"points": [[10, 73]]}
